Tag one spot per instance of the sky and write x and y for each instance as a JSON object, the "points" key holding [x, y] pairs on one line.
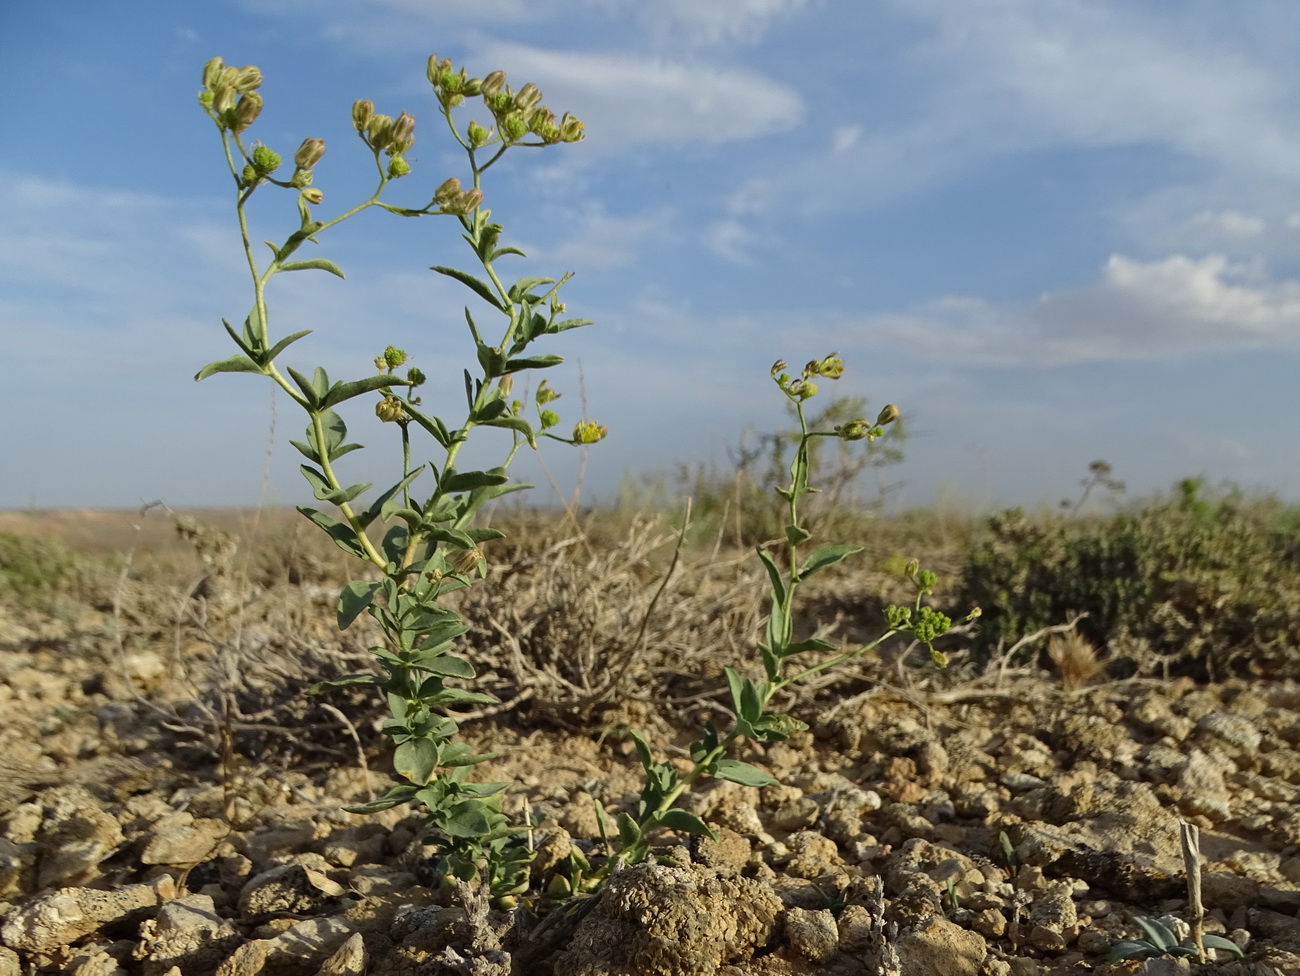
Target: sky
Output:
{"points": [[1050, 231]]}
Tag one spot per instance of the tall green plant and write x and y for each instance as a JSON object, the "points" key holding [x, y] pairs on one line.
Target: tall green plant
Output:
{"points": [[432, 546]]}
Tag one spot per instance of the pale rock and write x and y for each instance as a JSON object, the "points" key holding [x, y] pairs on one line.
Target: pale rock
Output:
{"points": [[180, 839], [937, 947], [1204, 789], [812, 934], [64, 916]]}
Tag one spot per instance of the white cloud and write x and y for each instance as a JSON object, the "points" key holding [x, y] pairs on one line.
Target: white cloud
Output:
{"points": [[599, 239], [1229, 223], [1170, 308], [631, 100]]}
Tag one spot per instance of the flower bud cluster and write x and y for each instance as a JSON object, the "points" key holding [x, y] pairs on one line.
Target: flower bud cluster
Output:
{"points": [[230, 94], [517, 114], [589, 432], [452, 198], [383, 133]]}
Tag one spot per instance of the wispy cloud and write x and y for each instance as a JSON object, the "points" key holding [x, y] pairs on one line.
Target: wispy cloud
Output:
{"points": [[1171, 308]]}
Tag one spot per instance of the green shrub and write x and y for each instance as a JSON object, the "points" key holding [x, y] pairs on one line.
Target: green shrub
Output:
{"points": [[1199, 584], [34, 570]]}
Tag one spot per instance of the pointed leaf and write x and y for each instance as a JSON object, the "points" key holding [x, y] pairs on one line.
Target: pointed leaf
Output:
{"points": [[533, 362], [1156, 932], [642, 750], [503, 251], [797, 535], [305, 386], [472, 479], [395, 795], [235, 364], [565, 325], [1219, 942], [340, 392], [284, 344], [444, 665], [742, 773], [343, 681], [524, 285], [479, 287], [686, 823], [826, 556], [518, 424], [773, 574], [313, 264], [629, 832], [342, 534]]}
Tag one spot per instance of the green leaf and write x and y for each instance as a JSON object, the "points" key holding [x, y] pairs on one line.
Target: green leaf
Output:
{"points": [[1156, 932], [416, 759], [313, 264], [444, 665], [533, 362], [642, 750], [395, 796], [340, 392], [460, 754], [469, 480], [797, 535], [305, 385], [306, 450], [386, 505], [1219, 942], [1131, 949], [435, 427], [235, 364], [518, 424], [686, 823], [773, 574], [469, 818], [524, 285], [342, 534], [322, 490], [459, 696], [742, 773], [343, 681], [479, 287], [826, 556], [629, 833], [245, 340], [811, 644], [284, 344], [557, 327], [503, 251], [355, 598]]}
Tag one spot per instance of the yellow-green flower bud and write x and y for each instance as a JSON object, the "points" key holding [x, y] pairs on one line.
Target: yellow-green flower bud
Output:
{"points": [[436, 68], [493, 83], [380, 130], [514, 127], [447, 192], [478, 134], [546, 393], [414, 377], [506, 384], [309, 153], [939, 658], [975, 614], [526, 98], [499, 102], [778, 366], [312, 195], [854, 430], [912, 568], [266, 159], [468, 202], [571, 129], [888, 415], [832, 367], [394, 357], [803, 389], [549, 419], [403, 133], [301, 178], [248, 78], [389, 409], [363, 110], [245, 112], [251, 175], [206, 98], [212, 72], [468, 561], [589, 432], [397, 168]]}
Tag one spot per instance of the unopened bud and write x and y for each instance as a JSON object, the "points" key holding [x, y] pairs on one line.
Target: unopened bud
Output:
{"points": [[403, 133], [397, 168], [549, 419], [394, 357], [309, 153], [247, 79], [245, 112], [854, 430], [447, 192], [526, 98], [363, 110], [493, 83], [888, 415], [212, 72], [414, 377], [251, 175], [803, 389], [506, 384], [380, 130], [912, 568], [435, 69], [389, 409], [312, 195], [514, 127], [778, 366], [546, 393], [468, 561], [589, 432], [499, 102]]}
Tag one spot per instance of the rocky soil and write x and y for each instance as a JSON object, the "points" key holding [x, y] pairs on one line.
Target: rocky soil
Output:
{"points": [[169, 807]]}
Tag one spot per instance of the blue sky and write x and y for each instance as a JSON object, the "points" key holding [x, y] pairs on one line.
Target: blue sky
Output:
{"points": [[1050, 230]]}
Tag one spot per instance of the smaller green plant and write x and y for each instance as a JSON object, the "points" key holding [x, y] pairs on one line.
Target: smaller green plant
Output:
{"points": [[1161, 941], [752, 701], [35, 570]]}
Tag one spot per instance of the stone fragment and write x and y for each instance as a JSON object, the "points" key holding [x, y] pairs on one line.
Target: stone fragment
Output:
{"points": [[661, 921], [1205, 792], [71, 845], [937, 947], [812, 934], [63, 916], [287, 888], [186, 932], [181, 839], [350, 959]]}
